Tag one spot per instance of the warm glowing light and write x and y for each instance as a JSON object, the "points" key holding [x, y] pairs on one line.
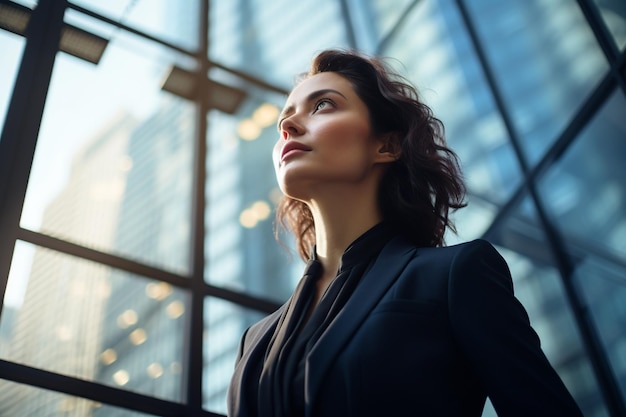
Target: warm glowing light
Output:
{"points": [[108, 356], [175, 309], [158, 290], [138, 336], [265, 115], [121, 377], [127, 319], [261, 210], [248, 219], [248, 129], [155, 370]]}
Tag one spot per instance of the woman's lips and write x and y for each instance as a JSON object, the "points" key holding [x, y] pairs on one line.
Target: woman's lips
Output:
{"points": [[293, 148]]}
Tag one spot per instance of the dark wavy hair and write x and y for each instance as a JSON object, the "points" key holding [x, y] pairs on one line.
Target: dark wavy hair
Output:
{"points": [[418, 190]]}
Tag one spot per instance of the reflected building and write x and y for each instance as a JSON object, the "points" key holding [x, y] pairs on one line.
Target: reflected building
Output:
{"points": [[142, 336], [60, 323]]}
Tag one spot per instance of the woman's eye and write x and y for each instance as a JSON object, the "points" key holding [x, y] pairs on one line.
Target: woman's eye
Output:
{"points": [[322, 103]]}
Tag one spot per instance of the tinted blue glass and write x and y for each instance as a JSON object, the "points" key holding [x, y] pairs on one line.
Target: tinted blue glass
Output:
{"points": [[585, 190], [613, 13], [273, 40], [545, 60], [602, 285]]}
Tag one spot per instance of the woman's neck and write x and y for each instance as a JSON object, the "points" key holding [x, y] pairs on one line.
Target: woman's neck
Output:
{"points": [[339, 220]]}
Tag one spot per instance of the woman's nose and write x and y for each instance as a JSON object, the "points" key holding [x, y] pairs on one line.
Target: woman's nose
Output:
{"points": [[290, 127]]}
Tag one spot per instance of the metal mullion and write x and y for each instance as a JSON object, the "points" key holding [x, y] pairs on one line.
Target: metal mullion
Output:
{"points": [[138, 268], [143, 270], [606, 378], [242, 299], [130, 29], [396, 27], [104, 258], [601, 32], [195, 327], [348, 25], [604, 39], [247, 77], [22, 122], [94, 391], [579, 121]]}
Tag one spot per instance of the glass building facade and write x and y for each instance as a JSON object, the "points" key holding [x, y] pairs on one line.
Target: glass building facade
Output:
{"points": [[137, 189]]}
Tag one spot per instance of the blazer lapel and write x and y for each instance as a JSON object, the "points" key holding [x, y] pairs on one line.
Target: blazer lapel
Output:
{"points": [[386, 269], [258, 337]]}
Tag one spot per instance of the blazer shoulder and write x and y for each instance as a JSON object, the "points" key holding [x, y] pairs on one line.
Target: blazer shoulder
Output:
{"points": [[480, 249], [258, 329], [477, 247], [473, 245], [465, 251]]}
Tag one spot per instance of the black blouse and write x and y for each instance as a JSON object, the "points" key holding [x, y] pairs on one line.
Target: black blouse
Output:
{"points": [[281, 381]]}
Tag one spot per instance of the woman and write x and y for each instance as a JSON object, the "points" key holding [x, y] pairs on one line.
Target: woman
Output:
{"points": [[385, 321]]}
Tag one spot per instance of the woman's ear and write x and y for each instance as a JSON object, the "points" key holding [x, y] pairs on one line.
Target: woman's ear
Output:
{"points": [[388, 147]]}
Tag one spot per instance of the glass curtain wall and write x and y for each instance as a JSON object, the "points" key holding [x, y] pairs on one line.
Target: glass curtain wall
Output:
{"points": [[137, 192]]}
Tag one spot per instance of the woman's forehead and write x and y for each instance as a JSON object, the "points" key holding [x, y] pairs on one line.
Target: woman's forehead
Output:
{"points": [[317, 82]]}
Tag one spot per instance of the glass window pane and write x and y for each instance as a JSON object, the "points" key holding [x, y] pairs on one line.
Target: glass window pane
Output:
{"points": [[585, 190], [434, 52], [539, 287], [545, 60], [242, 192], [225, 323], [78, 318], [18, 400], [28, 3], [613, 13], [373, 20], [471, 221], [273, 40], [602, 285], [112, 168], [12, 47], [175, 21]]}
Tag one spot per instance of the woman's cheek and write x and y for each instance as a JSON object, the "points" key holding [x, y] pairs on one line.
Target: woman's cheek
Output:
{"points": [[276, 154]]}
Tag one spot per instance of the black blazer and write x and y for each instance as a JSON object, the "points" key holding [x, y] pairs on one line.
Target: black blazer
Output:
{"points": [[427, 332]]}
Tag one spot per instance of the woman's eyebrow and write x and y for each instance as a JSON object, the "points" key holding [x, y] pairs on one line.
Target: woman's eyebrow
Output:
{"points": [[312, 96]]}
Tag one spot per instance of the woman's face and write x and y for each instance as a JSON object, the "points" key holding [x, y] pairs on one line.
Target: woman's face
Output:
{"points": [[325, 139]]}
